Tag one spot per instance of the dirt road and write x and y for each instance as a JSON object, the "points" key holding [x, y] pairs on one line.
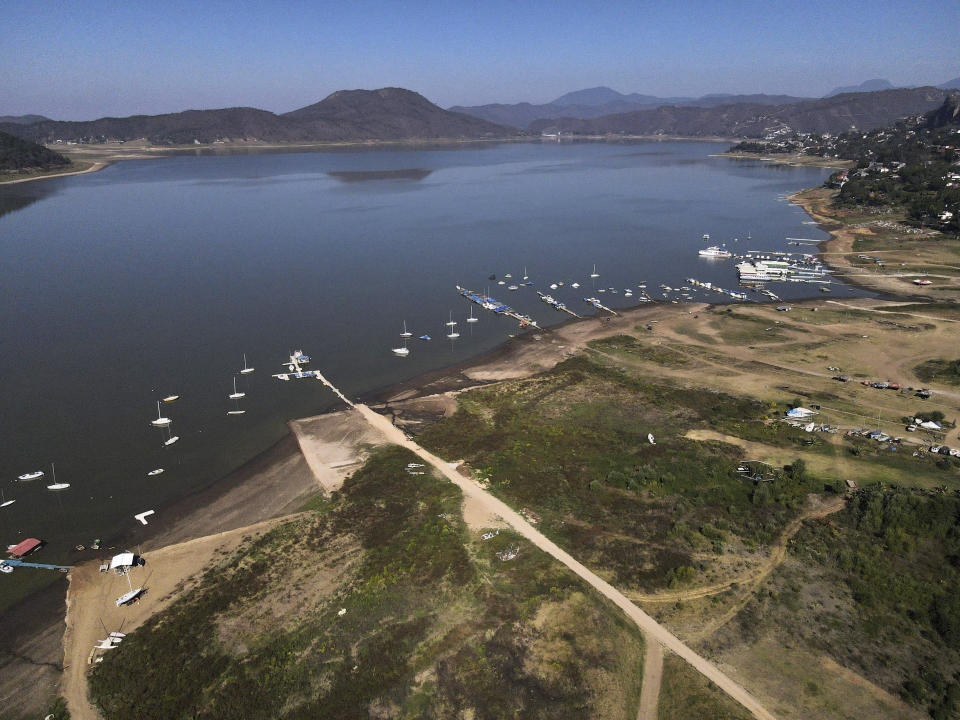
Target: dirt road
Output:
{"points": [[655, 632], [652, 677]]}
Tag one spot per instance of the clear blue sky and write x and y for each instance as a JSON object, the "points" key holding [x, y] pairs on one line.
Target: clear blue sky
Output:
{"points": [[79, 59]]}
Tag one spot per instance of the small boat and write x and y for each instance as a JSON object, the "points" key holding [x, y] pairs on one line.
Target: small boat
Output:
{"points": [[160, 421], [553, 286], [594, 274], [236, 395], [715, 252], [706, 237], [246, 370], [154, 472], [426, 337], [171, 398], [472, 319], [30, 475], [406, 333], [401, 351], [650, 439], [172, 440], [56, 485], [501, 282], [508, 275], [525, 273], [7, 503], [513, 287], [824, 289], [451, 322], [235, 412], [575, 285]]}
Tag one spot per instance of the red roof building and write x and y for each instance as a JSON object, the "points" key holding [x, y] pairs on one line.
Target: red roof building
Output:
{"points": [[24, 548]]}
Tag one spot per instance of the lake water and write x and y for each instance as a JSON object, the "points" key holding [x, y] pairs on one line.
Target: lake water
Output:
{"points": [[154, 277]]}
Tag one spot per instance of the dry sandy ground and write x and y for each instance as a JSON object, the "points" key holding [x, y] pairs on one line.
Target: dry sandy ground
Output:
{"points": [[334, 445], [92, 612], [652, 679]]}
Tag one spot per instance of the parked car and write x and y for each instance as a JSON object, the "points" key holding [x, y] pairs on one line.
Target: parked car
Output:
{"points": [[911, 428]]}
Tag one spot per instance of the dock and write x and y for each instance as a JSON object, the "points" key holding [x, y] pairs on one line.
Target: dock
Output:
{"points": [[496, 307], [556, 304], [599, 306]]}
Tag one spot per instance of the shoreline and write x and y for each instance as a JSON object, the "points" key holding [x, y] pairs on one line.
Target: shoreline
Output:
{"points": [[790, 159], [95, 167]]}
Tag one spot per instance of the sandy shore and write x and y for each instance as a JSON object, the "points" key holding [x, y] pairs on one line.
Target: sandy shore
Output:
{"points": [[98, 165]]}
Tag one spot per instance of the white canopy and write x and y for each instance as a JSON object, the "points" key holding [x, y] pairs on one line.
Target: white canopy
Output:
{"points": [[122, 560], [800, 412], [931, 425]]}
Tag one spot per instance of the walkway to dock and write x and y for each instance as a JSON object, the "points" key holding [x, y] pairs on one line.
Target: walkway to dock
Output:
{"points": [[653, 631]]}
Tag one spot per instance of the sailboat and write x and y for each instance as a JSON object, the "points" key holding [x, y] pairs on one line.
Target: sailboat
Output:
{"points": [[406, 333], [129, 597], [235, 395], [472, 319], [171, 398], [594, 274], [56, 485], [160, 421], [155, 472], [452, 324], [3, 500], [246, 370], [401, 351], [426, 337], [525, 273]]}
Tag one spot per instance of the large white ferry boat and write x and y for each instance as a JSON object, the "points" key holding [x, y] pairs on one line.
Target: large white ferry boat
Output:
{"points": [[715, 251]]}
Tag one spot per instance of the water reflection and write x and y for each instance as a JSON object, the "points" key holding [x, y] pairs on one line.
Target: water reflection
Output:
{"points": [[352, 176]]}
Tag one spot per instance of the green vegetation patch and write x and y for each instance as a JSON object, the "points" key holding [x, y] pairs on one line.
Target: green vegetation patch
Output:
{"points": [[876, 587], [944, 371], [379, 605], [572, 444]]}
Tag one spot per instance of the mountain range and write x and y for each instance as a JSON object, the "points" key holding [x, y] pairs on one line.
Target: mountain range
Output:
{"points": [[828, 115], [599, 101], [346, 115]]}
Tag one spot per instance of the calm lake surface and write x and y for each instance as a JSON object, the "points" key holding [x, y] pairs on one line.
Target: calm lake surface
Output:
{"points": [[153, 277]]}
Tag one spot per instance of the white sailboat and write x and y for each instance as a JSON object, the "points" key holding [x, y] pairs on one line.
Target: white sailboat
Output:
{"points": [[246, 370], [171, 440], [594, 274], [56, 485], [3, 500], [406, 333], [452, 324], [129, 597], [472, 319], [525, 273], [171, 398], [236, 395], [155, 472], [160, 421]]}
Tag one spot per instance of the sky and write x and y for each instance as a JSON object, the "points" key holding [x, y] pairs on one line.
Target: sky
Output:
{"points": [[83, 59]]}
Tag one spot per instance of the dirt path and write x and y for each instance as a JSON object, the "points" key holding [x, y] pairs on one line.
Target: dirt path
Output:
{"points": [[93, 168], [655, 632], [91, 607], [652, 677]]}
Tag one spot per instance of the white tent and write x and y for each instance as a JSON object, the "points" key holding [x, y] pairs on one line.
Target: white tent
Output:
{"points": [[800, 412], [122, 560], [931, 425]]}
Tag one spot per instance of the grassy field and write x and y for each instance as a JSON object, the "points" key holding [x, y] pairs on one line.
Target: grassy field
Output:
{"points": [[686, 695], [380, 604]]}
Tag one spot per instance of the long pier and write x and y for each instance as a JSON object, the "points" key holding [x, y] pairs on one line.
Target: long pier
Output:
{"points": [[599, 306], [556, 304], [497, 307]]}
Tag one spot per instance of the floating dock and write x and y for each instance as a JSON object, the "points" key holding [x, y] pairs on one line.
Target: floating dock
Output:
{"points": [[556, 304], [497, 307], [599, 306]]}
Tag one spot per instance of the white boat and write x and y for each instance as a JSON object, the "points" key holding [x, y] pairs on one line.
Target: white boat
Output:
{"points": [[706, 237], [401, 351], [58, 486], [451, 322], [172, 440], [30, 475], [6, 503], [130, 596], [553, 286], [160, 421], [508, 275], [513, 287], [501, 282], [575, 285], [236, 395], [594, 274], [650, 439], [171, 398], [246, 370], [235, 412], [525, 273], [715, 252], [472, 319], [406, 333], [156, 471]]}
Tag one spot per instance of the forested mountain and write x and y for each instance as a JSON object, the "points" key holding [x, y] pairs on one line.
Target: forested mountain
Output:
{"points": [[837, 114], [22, 119], [18, 154], [385, 114]]}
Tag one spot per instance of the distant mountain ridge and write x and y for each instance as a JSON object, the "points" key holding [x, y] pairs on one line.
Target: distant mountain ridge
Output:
{"points": [[828, 115], [865, 86], [600, 101], [22, 119], [346, 115]]}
